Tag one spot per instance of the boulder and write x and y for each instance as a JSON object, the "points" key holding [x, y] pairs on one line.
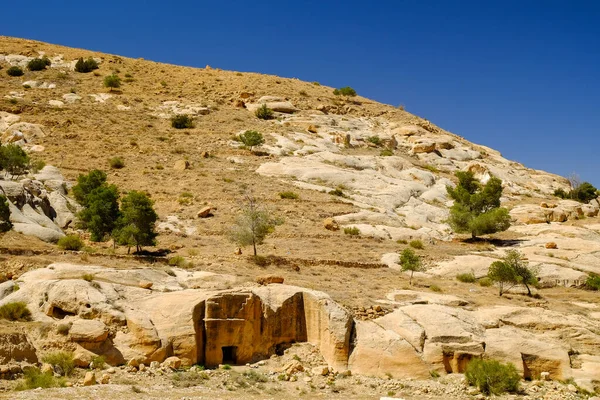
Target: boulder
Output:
{"points": [[205, 212], [45, 234], [331, 225], [172, 363], [181, 165], [269, 279], [89, 379], [88, 331]]}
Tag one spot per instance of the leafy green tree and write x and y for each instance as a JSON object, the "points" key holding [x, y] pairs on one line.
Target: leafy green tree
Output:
{"points": [[251, 139], [476, 208], [5, 224], [86, 184], [137, 222], [101, 213], [253, 224], [112, 82], [13, 159], [584, 193], [409, 261], [511, 271]]}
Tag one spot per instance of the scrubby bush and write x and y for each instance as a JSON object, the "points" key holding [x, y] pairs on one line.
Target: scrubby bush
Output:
{"points": [[16, 311], [485, 282], [116, 163], [264, 112], [492, 377], [61, 361], [386, 153], [416, 244], [289, 195], [583, 193], [466, 277], [376, 140], [593, 282], [14, 71], [345, 91], [38, 64], [33, 378], [251, 139], [70, 242], [86, 66], [352, 231], [511, 271], [112, 82], [13, 159], [182, 121], [253, 224], [5, 224]]}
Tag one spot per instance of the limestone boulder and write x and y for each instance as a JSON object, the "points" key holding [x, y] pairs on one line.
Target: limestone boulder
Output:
{"points": [[42, 233], [275, 103], [88, 331]]}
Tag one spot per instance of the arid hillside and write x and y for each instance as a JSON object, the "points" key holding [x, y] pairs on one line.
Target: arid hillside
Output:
{"points": [[364, 181]]}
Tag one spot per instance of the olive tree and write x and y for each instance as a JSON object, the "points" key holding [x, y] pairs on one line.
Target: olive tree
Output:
{"points": [[513, 270], [409, 261]]}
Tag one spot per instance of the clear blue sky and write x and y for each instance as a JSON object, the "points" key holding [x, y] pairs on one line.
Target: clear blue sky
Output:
{"points": [[521, 76]]}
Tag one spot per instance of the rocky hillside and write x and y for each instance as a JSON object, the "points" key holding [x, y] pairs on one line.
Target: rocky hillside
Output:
{"points": [[353, 162]]}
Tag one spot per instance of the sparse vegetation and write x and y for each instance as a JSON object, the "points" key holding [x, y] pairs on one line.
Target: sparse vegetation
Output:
{"points": [[182, 121], [476, 208], [409, 261], [352, 231], [14, 71], [116, 163], [112, 82], [492, 377], [5, 224], [345, 91], [86, 66], [88, 277], [253, 224], [581, 192], [416, 244], [70, 242], [511, 271], [14, 160], [251, 139], [38, 64], [593, 282], [466, 277], [61, 361], [33, 378], [264, 112], [376, 140], [386, 153], [16, 311], [485, 282], [289, 195]]}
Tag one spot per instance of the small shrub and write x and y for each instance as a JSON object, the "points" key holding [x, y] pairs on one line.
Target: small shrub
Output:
{"points": [[416, 244], [289, 195], [376, 140], [345, 91], [86, 66], [386, 153], [303, 93], [485, 282], [226, 366], [98, 362], [316, 83], [112, 82], [337, 192], [70, 242], [38, 64], [466, 277], [260, 261], [264, 112], [182, 121], [435, 288], [62, 360], [14, 159], [255, 377], [434, 374], [251, 139], [116, 163], [402, 241], [36, 165], [88, 277], [16, 311], [593, 282], [34, 378], [352, 231], [431, 168], [5, 224], [14, 71], [179, 261], [492, 377]]}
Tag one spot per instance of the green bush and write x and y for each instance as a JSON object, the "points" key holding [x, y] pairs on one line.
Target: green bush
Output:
{"points": [[34, 378], [137, 222], [409, 261], [352, 231], [485, 282], [16, 311], [376, 140], [88, 277], [5, 224], [289, 195], [416, 244], [264, 112], [61, 359], [492, 377], [593, 282], [13, 159], [251, 139], [583, 193], [466, 277], [112, 82], [435, 288], [101, 204], [86, 66], [36, 165], [70, 242], [386, 153], [14, 71], [345, 91], [116, 163], [98, 362], [38, 64], [182, 121]]}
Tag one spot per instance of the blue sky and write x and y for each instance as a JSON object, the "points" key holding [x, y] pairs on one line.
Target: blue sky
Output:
{"points": [[522, 76]]}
